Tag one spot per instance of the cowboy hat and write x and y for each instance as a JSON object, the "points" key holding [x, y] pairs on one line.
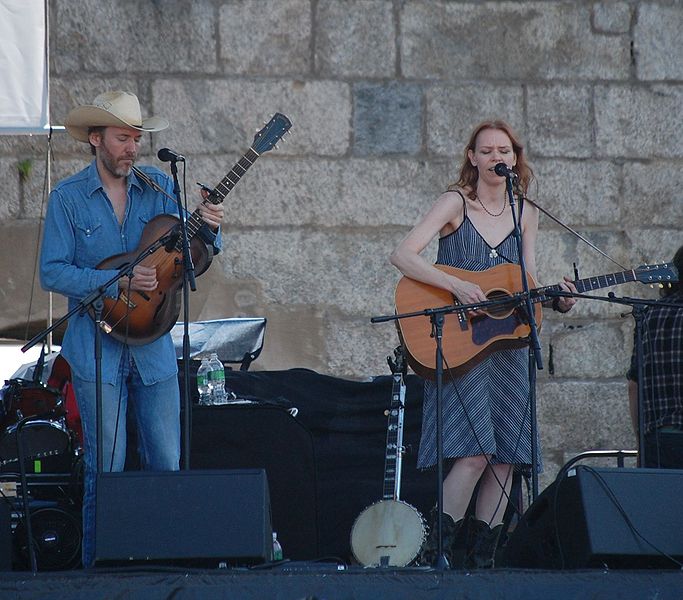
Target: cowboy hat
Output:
{"points": [[110, 109]]}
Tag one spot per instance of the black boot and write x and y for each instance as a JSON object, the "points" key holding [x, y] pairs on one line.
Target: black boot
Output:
{"points": [[458, 546], [453, 542], [482, 542]]}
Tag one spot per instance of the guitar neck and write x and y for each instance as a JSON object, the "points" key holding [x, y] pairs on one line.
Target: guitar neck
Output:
{"points": [[394, 447], [590, 283], [195, 221]]}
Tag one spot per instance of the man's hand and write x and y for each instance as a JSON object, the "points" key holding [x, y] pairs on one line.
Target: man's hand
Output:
{"points": [[144, 279], [212, 214]]}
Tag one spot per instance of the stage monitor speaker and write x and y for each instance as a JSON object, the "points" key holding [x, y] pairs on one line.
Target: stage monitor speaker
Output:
{"points": [[595, 517], [197, 518]]}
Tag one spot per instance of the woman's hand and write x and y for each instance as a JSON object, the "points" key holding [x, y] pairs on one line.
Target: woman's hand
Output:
{"points": [[564, 304], [467, 293]]}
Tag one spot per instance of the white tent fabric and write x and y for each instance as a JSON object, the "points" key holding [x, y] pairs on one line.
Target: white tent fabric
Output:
{"points": [[24, 98]]}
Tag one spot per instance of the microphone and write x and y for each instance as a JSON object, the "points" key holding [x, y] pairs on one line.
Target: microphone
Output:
{"points": [[40, 365], [502, 170], [168, 155]]}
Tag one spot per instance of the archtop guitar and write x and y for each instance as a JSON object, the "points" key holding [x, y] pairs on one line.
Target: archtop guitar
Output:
{"points": [[137, 318]]}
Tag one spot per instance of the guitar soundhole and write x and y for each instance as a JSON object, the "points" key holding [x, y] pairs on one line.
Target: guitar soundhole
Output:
{"points": [[502, 310]]}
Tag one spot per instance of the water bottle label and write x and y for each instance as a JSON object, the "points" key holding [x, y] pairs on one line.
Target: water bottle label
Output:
{"points": [[217, 375], [277, 548], [201, 380]]}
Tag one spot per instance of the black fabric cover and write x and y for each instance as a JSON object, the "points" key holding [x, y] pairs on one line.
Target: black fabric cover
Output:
{"points": [[265, 436], [348, 427]]}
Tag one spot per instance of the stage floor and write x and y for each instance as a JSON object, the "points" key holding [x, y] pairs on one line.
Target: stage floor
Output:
{"points": [[301, 581]]}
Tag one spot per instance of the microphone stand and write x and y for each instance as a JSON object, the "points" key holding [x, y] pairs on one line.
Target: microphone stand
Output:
{"points": [[535, 358], [437, 317], [37, 374], [94, 300], [638, 307], [638, 313], [24, 494], [188, 284], [437, 320]]}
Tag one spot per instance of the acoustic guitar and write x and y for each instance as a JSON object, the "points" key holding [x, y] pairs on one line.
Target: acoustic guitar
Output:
{"points": [[138, 318], [390, 532], [467, 339]]}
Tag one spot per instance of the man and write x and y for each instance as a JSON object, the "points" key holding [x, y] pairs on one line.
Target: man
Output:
{"points": [[92, 215], [662, 351]]}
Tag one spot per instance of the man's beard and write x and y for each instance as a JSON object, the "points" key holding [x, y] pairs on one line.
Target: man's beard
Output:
{"points": [[112, 164]]}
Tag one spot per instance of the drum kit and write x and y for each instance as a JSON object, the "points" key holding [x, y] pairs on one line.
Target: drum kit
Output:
{"points": [[38, 414], [38, 424]]}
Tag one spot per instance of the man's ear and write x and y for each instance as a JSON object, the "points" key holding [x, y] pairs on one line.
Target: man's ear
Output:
{"points": [[95, 138]]}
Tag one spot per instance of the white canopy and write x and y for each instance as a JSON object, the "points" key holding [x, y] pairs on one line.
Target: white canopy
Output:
{"points": [[24, 91]]}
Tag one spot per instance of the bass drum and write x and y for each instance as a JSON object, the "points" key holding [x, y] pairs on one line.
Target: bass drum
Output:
{"points": [[388, 533], [46, 434], [40, 438]]}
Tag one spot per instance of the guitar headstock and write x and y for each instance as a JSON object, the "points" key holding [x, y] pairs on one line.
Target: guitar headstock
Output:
{"points": [[271, 134], [663, 273]]}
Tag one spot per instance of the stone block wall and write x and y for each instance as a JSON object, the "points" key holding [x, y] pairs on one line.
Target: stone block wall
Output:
{"points": [[382, 95]]}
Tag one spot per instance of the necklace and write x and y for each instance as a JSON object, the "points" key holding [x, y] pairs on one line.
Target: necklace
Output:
{"points": [[488, 212]]}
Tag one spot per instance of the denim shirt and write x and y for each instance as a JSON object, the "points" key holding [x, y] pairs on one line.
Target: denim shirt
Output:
{"points": [[81, 230]]}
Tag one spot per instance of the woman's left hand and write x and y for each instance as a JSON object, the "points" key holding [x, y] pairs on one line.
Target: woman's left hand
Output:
{"points": [[565, 303]]}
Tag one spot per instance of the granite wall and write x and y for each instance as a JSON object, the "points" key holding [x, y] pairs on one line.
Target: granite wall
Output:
{"points": [[382, 95]]}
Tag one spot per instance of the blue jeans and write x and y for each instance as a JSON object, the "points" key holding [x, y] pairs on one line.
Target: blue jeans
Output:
{"points": [[156, 409]]}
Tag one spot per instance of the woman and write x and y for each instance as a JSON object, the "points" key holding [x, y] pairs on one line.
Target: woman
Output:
{"points": [[486, 424]]}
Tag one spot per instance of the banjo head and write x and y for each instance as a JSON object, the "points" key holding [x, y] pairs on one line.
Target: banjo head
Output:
{"points": [[388, 533]]}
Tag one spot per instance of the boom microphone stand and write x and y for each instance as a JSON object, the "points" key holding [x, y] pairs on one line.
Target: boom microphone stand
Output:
{"points": [[535, 358], [437, 317], [93, 301], [638, 307], [188, 284], [437, 320]]}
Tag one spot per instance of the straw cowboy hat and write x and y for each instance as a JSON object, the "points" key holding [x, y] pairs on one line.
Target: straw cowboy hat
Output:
{"points": [[110, 109]]}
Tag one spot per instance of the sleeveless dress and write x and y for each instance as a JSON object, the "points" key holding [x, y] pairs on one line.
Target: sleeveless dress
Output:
{"points": [[486, 411]]}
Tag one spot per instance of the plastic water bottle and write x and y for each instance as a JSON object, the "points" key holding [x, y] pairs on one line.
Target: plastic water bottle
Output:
{"points": [[277, 548], [203, 385], [217, 380]]}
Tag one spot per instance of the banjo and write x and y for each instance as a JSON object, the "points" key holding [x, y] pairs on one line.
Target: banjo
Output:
{"points": [[390, 532]]}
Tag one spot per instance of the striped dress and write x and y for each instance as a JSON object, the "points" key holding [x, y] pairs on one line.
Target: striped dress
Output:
{"points": [[486, 410]]}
